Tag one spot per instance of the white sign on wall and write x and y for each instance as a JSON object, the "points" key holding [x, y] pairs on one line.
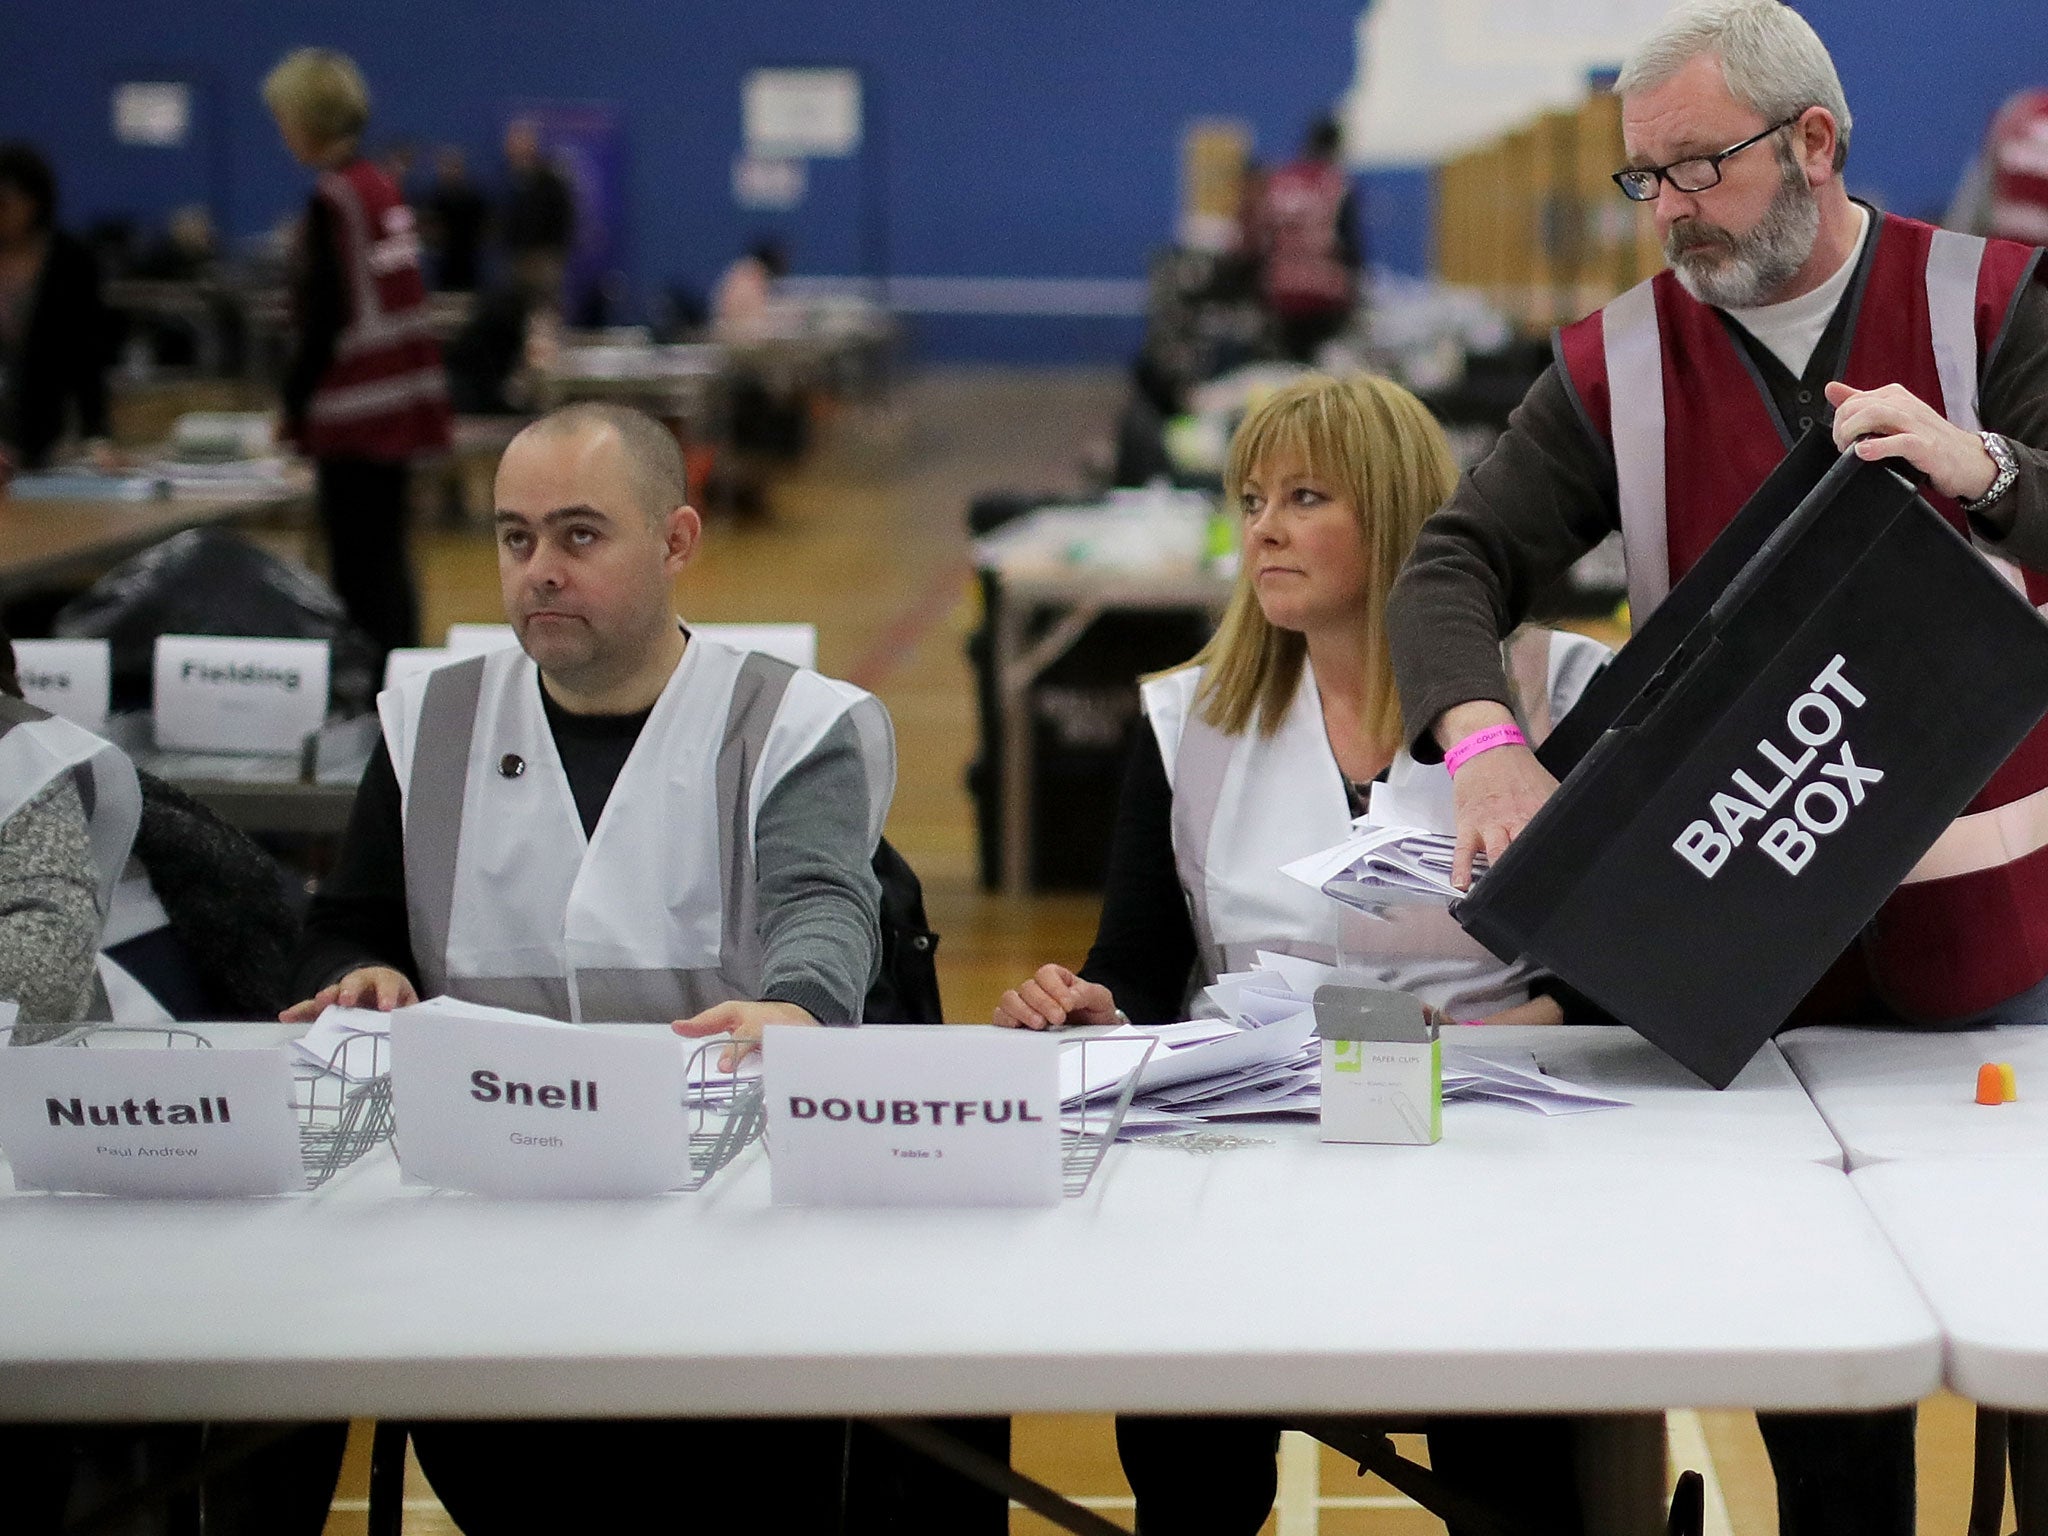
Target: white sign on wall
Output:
{"points": [[157, 113], [69, 678], [912, 1115], [768, 183], [230, 694], [798, 112]]}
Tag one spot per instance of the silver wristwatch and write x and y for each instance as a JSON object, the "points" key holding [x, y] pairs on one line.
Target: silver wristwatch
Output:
{"points": [[2008, 471]]}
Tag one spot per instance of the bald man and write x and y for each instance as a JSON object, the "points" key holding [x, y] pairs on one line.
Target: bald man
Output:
{"points": [[618, 820], [615, 821]]}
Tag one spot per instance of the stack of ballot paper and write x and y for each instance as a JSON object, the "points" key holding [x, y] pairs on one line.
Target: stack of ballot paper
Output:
{"points": [[1377, 866], [1261, 1057]]}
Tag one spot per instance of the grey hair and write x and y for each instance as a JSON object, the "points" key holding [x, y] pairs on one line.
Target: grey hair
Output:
{"points": [[654, 461], [1773, 61]]}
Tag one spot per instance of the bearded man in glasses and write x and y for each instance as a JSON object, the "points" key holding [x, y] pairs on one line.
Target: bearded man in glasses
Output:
{"points": [[1787, 306]]}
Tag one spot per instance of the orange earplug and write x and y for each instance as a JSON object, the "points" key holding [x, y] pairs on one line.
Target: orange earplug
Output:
{"points": [[1990, 1084]]}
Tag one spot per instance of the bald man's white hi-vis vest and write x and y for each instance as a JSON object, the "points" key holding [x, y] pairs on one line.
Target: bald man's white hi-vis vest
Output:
{"points": [[653, 916], [37, 747], [1245, 805]]}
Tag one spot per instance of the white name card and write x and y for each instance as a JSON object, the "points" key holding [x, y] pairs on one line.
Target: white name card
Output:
{"points": [[147, 1122], [71, 678], [401, 662], [912, 1115], [229, 694], [537, 1110], [469, 639]]}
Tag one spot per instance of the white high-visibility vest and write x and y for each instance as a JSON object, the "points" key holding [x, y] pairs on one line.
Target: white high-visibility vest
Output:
{"points": [[37, 747], [653, 915], [1245, 805]]}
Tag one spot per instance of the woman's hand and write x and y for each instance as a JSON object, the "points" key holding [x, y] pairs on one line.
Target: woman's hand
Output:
{"points": [[1053, 997]]}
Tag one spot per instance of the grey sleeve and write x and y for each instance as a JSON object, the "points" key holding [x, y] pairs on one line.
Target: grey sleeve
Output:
{"points": [[49, 910], [2015, 405], [1543, 497], [819, 901]]}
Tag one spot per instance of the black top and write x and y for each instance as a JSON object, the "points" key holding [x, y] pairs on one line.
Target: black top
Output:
{"points": [[319, 310], [456, 215], [359, 916], [60, 361], [540, 213], [1145, 939]]}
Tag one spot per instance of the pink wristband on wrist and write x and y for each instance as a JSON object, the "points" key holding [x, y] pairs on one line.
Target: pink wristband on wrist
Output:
{"points": [[1483, 741]]}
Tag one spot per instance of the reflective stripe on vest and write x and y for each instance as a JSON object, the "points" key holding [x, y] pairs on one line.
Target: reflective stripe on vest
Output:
{"points": [[652, 917], [1633, 352], [36, 748]]}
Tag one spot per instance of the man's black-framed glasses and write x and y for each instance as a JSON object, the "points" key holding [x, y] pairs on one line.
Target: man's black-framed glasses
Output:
{"points": [[1639, 183]]}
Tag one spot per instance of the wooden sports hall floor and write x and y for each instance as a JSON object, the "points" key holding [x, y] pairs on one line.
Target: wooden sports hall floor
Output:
{"points": [[867, 541]]}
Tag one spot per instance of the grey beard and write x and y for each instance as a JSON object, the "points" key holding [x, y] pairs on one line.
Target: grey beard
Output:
{"points": [[1764, 260]]}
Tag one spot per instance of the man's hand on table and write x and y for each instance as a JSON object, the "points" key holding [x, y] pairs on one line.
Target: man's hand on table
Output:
{"points": [[1495, 793], [744, 1022], [1055, 996], [1894, 423], [372, 986]]}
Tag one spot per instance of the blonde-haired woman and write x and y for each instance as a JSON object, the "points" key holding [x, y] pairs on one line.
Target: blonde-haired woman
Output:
{"points": [[364, 392], [1265, 746], [1260, 751]]}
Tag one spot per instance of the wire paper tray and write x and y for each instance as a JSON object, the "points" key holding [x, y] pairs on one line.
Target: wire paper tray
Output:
{"points": [[344, 1107], [718, 1135], [1083, 1147]]}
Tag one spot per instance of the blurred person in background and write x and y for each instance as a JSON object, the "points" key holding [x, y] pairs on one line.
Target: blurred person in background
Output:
{"points": [[1305, 232], [454, 216], [364, 394], [55, 333], [2005, 191], [539, 223]]}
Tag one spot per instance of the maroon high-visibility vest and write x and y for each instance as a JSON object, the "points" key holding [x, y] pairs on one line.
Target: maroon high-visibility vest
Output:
{"points": [[1670, 393], [385, 395], [2019, 169], [1304, 272]]}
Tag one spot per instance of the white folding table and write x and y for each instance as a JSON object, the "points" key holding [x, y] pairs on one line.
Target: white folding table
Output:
{"points": [[1891, 1094], [1524, 1264]]}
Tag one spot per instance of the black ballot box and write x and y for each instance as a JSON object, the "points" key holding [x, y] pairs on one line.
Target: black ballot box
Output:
{"points": [[1807, 712]]}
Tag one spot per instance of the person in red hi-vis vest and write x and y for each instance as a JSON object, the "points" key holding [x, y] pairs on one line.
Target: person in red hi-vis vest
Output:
{"points": [[2005, 193], [1787, 305], [1306, 233], [364, 394]]}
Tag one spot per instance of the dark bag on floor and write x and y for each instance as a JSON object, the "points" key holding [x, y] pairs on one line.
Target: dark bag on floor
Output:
{"points": [[206, 581], [1726, 833]]}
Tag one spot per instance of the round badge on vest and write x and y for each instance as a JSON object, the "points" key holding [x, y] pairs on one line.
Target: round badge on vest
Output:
{"points": [[511, 766]]}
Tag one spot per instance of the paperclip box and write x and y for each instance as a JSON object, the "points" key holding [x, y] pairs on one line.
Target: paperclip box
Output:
{"points": [[1383, 1066]]}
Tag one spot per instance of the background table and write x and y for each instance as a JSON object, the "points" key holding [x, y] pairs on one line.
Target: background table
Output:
{"points": [[45, 542], [1900, 1093]]}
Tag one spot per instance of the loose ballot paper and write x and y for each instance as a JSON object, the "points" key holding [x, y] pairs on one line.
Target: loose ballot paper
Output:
{"points": [[495, 1103], [909, 1115], [150, 1122], [1809, 709]]}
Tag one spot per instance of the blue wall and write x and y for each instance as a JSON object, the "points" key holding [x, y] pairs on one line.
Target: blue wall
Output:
{"points": [[1031, 140]]}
